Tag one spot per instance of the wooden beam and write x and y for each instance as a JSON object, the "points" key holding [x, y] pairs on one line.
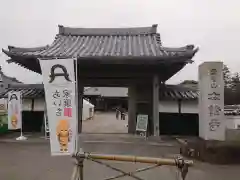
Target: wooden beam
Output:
{"points": [[179, 106], [113, 82], [155, 105], [110, 74]]}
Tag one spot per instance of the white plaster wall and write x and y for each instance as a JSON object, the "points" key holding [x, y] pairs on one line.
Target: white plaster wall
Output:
{"points": [[189, 107], [39, 105], [229, 121], [232, 122], [172, 107], [237, 123], [168, 106], [164, 106], [26, 104]]}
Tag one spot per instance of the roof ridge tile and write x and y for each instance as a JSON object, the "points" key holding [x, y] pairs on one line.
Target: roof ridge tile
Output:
{"points": [[107, 31]]}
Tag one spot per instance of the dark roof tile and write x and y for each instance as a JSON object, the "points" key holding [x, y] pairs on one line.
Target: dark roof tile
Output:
{"points": [[28, 91], [5, 78], [105, 42], [168, 92], [106, 31]]}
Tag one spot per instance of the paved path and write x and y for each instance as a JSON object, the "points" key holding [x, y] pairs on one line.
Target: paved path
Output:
{"points": [[32, 161], [105, 123]]}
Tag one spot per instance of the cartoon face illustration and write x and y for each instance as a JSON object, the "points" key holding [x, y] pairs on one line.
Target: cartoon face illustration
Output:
{"points": [[63, 134], [14, 121]]}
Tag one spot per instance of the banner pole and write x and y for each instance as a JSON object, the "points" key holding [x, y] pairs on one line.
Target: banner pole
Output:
{"points": [[77, 107], [21, 105], [78, 168], [21, 137]]}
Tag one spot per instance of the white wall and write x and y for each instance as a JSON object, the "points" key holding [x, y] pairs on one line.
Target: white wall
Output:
{"points": [[232, 122], [164, 106], [172, 106], [27, 105], [189, 107], [168, 106], [39, 105]]}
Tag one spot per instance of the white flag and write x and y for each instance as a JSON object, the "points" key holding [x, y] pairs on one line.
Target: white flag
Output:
{"points": [[14, 110], [3, 105], [59, 85]]}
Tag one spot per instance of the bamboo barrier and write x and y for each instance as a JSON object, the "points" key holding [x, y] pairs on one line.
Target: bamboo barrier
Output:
{"points": [[127, 158], [179, 162]]}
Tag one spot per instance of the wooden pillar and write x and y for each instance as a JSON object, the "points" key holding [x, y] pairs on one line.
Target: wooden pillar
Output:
{"points": [[156, 105], [179, 106], [80, 105], [32, 104], [132, 109]]}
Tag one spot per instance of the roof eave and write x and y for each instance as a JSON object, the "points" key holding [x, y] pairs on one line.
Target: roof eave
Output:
{"points": [[186, 56], [21, 49]]}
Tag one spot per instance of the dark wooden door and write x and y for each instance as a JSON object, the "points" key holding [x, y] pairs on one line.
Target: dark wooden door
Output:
{"points": [[179, 124]]}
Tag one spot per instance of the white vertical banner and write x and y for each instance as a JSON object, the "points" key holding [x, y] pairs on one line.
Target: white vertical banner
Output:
{"points": [[3, 105], [60, 94], [14, 110]]}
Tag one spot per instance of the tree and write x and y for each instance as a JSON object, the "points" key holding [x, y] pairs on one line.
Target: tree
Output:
{"points": [[235, 88], [226, 76], [231, 86], [228, 96], [235, 81]]}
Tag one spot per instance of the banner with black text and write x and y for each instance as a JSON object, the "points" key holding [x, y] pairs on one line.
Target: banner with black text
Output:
{"points": [[59, 85]]}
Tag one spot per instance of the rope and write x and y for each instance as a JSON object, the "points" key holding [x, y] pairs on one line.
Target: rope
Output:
{"points": [[179, 161], [182, 166]]}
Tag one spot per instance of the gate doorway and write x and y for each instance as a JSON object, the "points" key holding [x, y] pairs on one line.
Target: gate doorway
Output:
{"points": [[108, 102], [32, 121], [178, 124]]}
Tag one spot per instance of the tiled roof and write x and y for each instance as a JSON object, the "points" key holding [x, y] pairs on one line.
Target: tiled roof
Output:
{"points": [[169, 92], [176, 92], [28, 91], [142, 42], [4, 77], [190, 84], [173, 92]]}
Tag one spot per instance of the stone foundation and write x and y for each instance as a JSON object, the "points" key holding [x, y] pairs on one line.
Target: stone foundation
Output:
{"points": [[211, 151]]}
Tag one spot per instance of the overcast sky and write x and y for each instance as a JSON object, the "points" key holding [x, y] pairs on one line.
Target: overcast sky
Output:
{"points": [[212, 25]]}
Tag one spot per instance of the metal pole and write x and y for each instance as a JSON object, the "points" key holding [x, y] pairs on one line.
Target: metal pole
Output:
{"points": [[21, 105]]}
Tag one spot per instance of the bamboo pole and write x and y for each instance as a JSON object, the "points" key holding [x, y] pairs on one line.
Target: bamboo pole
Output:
{"points": [[126, 158]]}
